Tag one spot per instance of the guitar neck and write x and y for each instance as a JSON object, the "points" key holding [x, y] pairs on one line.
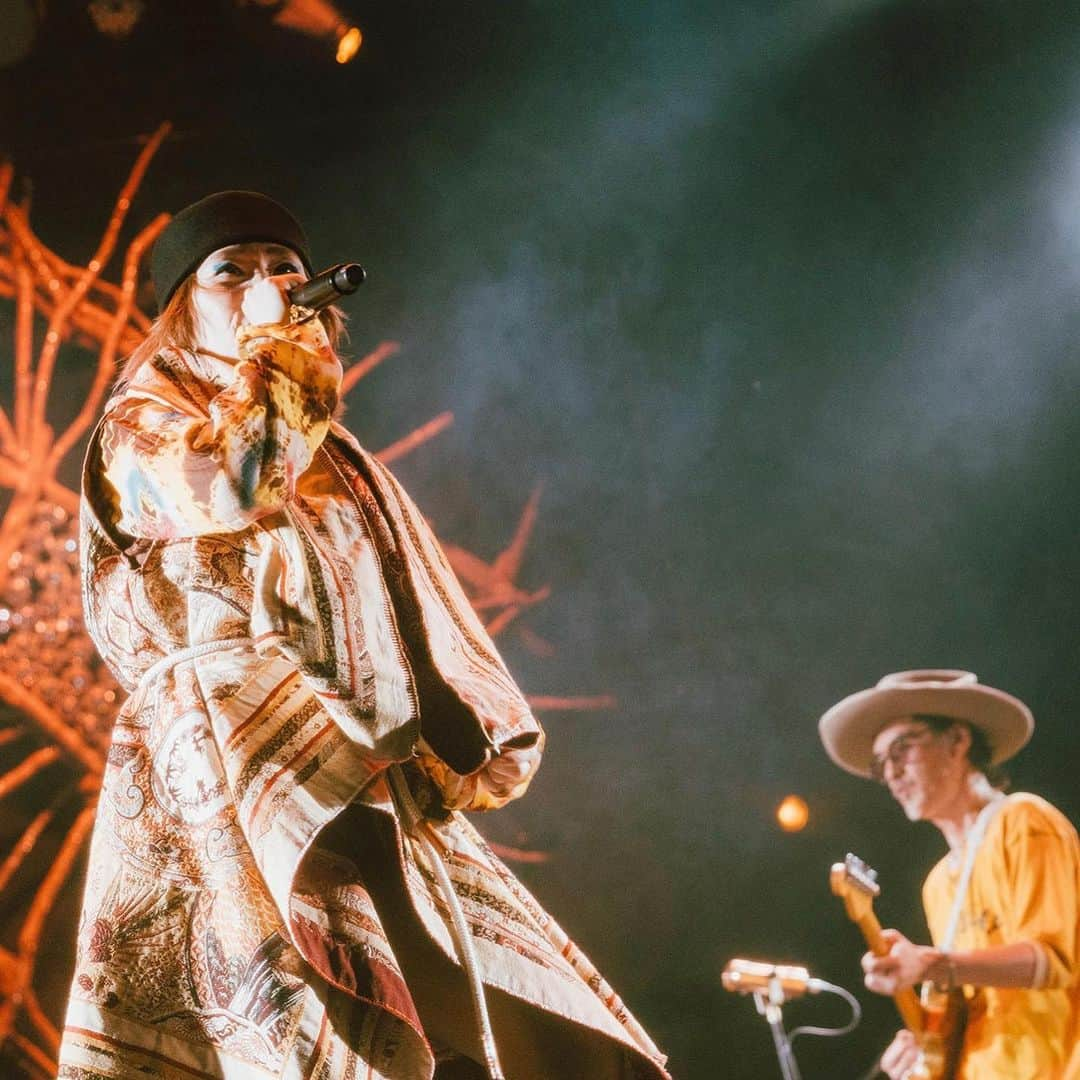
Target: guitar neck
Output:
{"points": [[907, 1001]]}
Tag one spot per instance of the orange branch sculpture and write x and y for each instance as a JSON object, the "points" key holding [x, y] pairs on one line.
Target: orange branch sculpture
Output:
{"points": [[57, 700]]}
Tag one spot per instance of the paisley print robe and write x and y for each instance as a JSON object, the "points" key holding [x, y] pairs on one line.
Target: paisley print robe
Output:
{"points": [[302, 665]]}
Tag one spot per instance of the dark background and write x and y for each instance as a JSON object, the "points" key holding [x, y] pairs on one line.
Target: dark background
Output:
{"points": [[778, 302]]}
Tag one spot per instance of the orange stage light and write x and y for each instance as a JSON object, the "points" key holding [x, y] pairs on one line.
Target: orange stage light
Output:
{"points": [[115, 18], [792, 814], [320, 19], [349, 44]]}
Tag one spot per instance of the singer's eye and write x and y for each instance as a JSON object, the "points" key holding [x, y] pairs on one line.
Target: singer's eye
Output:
{"points": [[227, 269], [286, 268]]}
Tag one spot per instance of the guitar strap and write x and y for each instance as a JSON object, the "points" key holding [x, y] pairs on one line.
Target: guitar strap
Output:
{"points": [[971, 849]]}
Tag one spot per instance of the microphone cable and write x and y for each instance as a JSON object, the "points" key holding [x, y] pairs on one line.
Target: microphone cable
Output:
{"points": [[824, 987]]}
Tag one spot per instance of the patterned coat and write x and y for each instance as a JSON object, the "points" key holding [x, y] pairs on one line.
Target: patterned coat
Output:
{"points": [[295, 646]]}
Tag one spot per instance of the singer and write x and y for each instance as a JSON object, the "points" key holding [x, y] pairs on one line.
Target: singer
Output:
{"points": [[281, 882]]}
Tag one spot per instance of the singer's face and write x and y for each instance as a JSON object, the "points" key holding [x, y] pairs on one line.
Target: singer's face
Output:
{"points": [[242, 283]]}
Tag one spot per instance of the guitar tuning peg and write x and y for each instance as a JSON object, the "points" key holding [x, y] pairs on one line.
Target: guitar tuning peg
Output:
{"points": [[859, 868]]}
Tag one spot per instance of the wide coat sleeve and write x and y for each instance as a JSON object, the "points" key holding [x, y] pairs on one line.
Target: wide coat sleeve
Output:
{"points": [[188, 459]]}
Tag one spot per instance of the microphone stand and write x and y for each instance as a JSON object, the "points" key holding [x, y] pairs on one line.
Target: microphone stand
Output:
{"points": [[772, 985], [768, 1005]]}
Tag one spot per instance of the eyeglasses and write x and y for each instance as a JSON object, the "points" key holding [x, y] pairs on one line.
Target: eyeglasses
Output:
{"points": [[897, 752]]}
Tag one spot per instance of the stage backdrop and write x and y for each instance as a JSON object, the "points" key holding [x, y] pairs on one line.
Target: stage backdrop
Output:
{"points": [[772, 304]]}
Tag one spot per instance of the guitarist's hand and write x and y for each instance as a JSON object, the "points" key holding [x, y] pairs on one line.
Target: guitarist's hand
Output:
{"points": [[904, 965], [901, 1057]]}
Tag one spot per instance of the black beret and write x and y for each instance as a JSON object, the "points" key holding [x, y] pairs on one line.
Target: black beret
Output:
{"points": [[226, 217]]}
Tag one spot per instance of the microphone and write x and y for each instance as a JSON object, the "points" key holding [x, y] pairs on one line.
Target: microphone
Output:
{"points": [[323, 289], [780, 981]]}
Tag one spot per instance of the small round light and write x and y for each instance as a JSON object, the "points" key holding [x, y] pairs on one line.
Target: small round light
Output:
{"points": [[349, 44], [792, 814]]}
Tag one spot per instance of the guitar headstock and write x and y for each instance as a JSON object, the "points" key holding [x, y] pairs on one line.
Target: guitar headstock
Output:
{"points": [[855, 882]]}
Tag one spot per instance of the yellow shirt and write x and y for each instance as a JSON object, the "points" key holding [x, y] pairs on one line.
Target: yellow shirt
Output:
{"points": [[1025, 886]]}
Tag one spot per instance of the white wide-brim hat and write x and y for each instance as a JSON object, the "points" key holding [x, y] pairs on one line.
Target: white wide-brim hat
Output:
{"points": [[849, 728]]}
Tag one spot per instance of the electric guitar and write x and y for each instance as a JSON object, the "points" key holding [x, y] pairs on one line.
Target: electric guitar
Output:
{"points": [[936, 1018]]}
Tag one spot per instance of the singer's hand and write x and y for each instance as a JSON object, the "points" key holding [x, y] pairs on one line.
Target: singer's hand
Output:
{"points": [[508, 770], [266, 300], [489, 787], [904, 965], [901, 1057]]}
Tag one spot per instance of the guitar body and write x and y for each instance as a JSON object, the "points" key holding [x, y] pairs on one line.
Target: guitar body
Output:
{"points": [[941, 1041], [936, 1018]]}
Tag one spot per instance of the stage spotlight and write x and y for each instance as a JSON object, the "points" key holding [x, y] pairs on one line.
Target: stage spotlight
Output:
{"points": [[792, 814], [115, 18], [349, 44], [317, 19]]}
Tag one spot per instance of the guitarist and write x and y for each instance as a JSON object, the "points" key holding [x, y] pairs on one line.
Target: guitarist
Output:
{"points": [[1003, 904]]}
